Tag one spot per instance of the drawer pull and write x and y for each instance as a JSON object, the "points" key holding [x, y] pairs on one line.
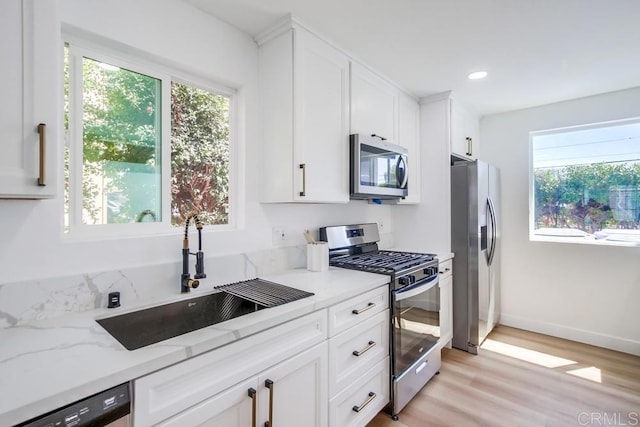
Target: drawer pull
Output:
{"points": [[252, 395], [372, 396], [362, 310], [364, 350], [445, 270]]}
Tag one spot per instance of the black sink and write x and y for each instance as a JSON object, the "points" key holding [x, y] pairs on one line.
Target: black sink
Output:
{"points": [[149, 326]]}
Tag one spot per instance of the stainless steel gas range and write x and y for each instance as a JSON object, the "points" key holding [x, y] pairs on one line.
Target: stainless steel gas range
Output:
{"points": [[414, 303]]}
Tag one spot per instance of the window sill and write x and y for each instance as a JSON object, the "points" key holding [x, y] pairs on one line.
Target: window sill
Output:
{"points": [[133, 231], [585, 241]]}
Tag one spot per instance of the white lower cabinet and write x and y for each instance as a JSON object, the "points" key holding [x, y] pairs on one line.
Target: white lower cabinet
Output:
{"points": [[292, 393], [353, 352], [357, 404], [213, 385], [359, 358]]}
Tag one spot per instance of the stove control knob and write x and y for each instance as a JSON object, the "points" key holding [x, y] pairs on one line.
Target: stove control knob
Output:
{"points": [[412, 279], [404, 281]]}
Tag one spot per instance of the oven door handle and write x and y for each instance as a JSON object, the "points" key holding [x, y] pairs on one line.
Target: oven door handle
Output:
{"points": [[416, 288]]}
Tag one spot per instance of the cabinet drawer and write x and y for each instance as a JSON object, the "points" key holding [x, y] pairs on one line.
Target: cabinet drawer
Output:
{"points": [[372, 387], [370, 339], [353, 311], [162, 394], [445, 268]]}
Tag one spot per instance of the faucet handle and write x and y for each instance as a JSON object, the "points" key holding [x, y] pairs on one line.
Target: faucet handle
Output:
{"points": [[193, 284]]}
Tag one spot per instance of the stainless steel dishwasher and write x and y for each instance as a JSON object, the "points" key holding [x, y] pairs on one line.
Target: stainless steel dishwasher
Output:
{"points": [[108, 408]]}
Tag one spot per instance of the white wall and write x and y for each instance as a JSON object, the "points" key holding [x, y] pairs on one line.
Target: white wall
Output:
{"points": [[582, 292], [32, 244]]}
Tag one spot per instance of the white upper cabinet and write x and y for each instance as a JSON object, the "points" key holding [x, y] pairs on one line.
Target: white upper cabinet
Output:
{"points": [[409, 138], [31, 86], [374, 104], [465, 131], [305, 118]]}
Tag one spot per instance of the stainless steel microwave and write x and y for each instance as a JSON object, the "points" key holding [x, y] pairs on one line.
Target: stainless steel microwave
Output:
{"points": [[378, 169]]}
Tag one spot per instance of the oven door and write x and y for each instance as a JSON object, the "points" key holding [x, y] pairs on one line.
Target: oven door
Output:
{"points": [[416, 321]]}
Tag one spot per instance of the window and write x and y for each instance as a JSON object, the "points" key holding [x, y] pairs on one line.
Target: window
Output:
{"points": [[586, 183], [142, 146]]}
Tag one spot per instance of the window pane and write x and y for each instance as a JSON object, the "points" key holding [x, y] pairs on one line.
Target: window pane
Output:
{"points": [[199, 155], [587, 182], [121, 179]]}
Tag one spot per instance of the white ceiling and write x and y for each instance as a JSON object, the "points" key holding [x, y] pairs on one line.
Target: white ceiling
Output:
{"points": [[536, 51]]}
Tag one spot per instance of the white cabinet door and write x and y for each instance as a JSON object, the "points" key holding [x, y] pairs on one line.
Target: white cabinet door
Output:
{"points": [[409, 138], [305, 112], [235, 407], [465, 131], [321, 125], [31, 60], [374, 104], [294, 393]]}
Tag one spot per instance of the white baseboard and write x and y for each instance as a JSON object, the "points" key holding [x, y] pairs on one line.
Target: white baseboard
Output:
{"points": [[594, 338]]}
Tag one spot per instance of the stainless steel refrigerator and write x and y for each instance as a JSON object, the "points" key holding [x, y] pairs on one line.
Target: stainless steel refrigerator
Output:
{"points": [[475, 241]]}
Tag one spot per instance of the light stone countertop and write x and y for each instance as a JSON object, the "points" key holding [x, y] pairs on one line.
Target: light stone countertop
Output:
{"points": [[50, 363]]}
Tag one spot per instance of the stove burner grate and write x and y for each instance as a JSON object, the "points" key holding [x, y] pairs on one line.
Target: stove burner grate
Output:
{"points": [[382, 260]]}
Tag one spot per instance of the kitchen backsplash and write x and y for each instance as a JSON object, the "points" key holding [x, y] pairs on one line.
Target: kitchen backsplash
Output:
{"points": [[22, 302]]}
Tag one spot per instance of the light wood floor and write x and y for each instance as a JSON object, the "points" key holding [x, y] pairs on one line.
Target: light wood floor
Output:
{"points": [[522, 378]]}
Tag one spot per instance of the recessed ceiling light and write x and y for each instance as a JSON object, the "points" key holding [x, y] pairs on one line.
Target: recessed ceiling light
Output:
{"points": [[477, 75]]}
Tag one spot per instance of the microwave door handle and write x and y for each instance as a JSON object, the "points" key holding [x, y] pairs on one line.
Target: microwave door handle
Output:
{"points": [[403, 159]]}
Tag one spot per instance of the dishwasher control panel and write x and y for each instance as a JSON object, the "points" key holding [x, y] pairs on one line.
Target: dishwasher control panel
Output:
{"points": [[100, 409]]}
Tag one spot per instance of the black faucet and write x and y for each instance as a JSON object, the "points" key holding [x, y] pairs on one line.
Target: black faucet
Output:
{"points": [[186, 282]]}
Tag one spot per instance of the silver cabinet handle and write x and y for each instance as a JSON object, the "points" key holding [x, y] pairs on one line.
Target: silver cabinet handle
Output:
{"points": [[42, 131], [359, 353], [469, 146], [303, 166], [362, 310], [372, 396]]}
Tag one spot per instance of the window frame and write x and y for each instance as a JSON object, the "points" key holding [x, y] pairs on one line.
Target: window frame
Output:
{"points": [[138, 62], [532, 207]]}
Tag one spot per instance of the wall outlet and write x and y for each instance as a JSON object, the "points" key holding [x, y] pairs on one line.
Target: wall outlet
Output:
{"points": [[381, 225], [278, 236]]}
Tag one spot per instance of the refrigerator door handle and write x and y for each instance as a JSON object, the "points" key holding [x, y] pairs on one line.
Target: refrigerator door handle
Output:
{"points": [[486, 242], [492, 216]]}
